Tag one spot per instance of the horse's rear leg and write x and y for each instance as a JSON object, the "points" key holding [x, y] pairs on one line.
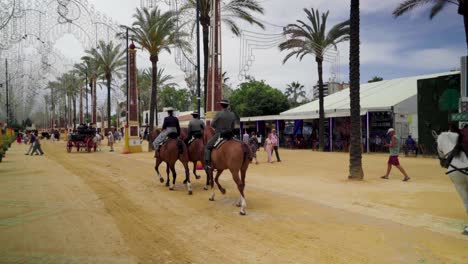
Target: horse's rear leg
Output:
{"points": [[240, 186], [207, 179], [221, 189], [187, 177], [209, 175], [156, 167], [174, 176], [243, 174], [195, 170], [167, 173]]}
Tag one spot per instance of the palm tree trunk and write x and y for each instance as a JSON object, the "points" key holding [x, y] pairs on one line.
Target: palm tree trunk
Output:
{"points": [[206, 41], [109, 119], [81, 104], [94, 101], [153, 100], [355, 155], [74, 111], [321, 109]]}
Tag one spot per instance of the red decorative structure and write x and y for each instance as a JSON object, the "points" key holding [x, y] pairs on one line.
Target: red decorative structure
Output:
{"points": [[214, 87]]}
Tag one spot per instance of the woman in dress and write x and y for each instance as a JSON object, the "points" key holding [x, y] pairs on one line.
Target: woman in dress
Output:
{"points": [[253, 143]]}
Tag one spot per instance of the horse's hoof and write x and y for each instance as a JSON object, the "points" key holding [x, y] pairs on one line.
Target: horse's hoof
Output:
{"points": [[238, 204], [197, 177], [211, 199], [171, 188], [161, 180], [242, 213], [190, 192], [167, 184], [205, 188], [185, 182], [223, 191]]}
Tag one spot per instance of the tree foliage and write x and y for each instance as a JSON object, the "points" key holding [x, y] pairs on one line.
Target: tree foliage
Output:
{"points": [[177, 98], [375, 79], [256, 98], [310, 37], [294, 91]]}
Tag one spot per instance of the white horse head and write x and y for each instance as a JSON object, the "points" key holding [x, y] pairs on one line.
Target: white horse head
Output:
{"points": [[446, 141]]}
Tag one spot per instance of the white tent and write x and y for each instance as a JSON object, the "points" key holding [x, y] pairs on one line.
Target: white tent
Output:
{"points": [[399, 95]]}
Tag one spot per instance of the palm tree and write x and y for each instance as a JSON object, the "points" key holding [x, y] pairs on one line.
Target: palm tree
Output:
{"points": [[437, 6], [234, 9], [295, 90], [156, 32], [69, 86], [81, 69], [54, 87], [311, 38], [93, 75], [144, 86], [355, 155], [110, 60]]}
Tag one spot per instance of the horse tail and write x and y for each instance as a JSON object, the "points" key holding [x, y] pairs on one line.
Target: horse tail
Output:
{"points": [[247, 153]]}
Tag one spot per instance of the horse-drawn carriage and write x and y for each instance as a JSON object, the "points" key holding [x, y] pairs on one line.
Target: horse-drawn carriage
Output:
{"points": [[82, 138]]}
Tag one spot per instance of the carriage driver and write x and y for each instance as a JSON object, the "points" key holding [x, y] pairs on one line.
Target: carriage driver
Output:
{"points": [[223, 123], [195, 127], [170, 125]]}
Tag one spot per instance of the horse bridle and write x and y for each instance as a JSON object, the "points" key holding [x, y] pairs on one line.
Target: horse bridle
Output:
{"points": [[446, 160]]}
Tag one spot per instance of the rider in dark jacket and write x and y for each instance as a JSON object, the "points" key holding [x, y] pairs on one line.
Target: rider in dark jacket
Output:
{"points": [[195, 127], [170, 126], [223, 123]]}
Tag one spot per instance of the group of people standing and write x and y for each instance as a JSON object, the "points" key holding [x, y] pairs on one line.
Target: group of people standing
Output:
{"points": [[271, 144]]}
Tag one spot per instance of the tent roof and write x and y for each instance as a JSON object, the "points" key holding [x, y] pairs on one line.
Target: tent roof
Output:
{"points": [[377, 96]]}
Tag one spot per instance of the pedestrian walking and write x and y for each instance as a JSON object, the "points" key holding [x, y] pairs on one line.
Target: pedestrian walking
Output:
{"points": [[37, 147], [394, 149], [275, 142], [253, 143], [110, 141], [269, 148], [18, 139], [32, 139]]}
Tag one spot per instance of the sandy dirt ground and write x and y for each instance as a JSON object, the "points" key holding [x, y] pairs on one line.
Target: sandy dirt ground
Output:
{"points": [[106, 207]]}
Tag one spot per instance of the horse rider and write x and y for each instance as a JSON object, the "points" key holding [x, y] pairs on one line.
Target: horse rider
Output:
{"points": [[223, 123], [195, 127], [170, 126]]}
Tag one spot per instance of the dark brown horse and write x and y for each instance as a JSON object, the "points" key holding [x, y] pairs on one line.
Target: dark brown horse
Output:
{"points": [[169, 153], [195, 152], [232, 155]]}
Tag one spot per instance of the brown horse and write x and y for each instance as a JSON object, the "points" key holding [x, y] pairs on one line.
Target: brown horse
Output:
{"points": [[196, 150], [232, 155], [169, 153]]}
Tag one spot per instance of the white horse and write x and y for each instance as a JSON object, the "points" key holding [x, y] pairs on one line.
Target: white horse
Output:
{"points": [[458, 166]]}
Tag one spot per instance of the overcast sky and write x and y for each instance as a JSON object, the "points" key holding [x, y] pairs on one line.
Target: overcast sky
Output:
{"points": [[391, 48]]}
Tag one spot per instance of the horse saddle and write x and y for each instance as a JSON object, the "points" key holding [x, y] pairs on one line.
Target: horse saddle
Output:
{"points": [[192, 139], [219, 142], [164, 141]]}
